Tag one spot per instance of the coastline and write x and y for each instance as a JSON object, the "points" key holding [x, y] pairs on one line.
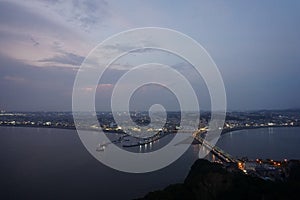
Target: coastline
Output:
{"points": [[35, 126], [224, 131]]}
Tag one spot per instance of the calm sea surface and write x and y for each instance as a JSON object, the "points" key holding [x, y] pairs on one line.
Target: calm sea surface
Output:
{"points": [[41, 163], [273, 143]]}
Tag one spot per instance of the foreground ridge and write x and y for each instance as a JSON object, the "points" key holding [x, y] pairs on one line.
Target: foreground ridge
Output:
{"points": [[208, 180]]}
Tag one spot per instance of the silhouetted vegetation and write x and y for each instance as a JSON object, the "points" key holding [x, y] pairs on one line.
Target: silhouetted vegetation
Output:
{"points": [[210, 181]]}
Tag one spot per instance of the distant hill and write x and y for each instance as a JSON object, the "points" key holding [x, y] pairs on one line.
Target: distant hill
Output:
{"points": [[210, 181]]}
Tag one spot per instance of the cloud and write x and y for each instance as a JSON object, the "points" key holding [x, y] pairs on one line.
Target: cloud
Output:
{"points": [[105, 86], [83, 13], [27, 87], [23, 16], [35, 43], [29, 35], [14, 78], [65, 58], [46, 40]]}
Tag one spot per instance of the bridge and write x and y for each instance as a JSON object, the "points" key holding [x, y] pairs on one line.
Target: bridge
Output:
{"points": [[218, 152]]}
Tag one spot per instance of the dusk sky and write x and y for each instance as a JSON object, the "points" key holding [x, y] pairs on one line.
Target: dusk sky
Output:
{"points": [[255, 44]]}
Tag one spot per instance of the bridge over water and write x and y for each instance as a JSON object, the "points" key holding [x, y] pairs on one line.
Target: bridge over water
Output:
{"points": [[218, 152]]}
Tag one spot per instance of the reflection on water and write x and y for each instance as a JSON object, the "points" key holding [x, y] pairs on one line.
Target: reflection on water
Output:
{"points": [[40, 163], [274, 142]]}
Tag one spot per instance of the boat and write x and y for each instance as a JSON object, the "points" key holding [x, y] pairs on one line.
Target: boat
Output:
{"points": [[100, 147]]}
